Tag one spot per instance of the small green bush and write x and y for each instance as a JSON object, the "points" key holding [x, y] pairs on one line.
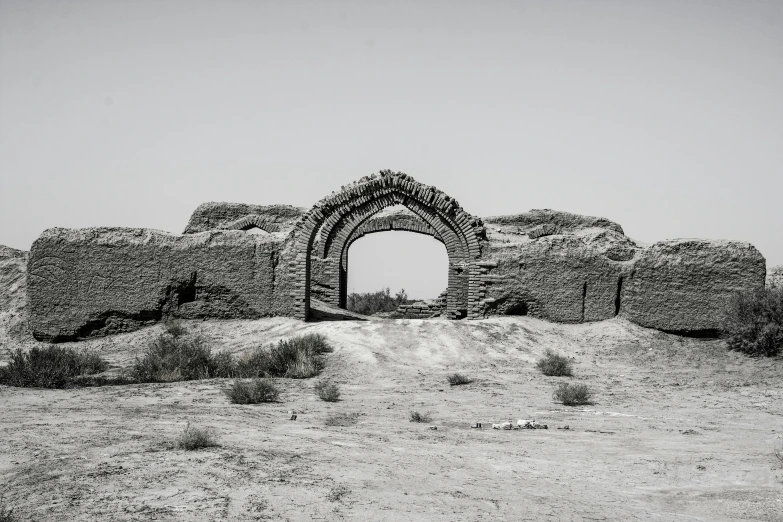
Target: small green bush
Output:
{"points": [[50, 367], [555, 365], [296, 358], [183, 358], [415, 416], [573, 394], [754, 322], [253, 392], [328, 391], [195, 438], [458, 379]]}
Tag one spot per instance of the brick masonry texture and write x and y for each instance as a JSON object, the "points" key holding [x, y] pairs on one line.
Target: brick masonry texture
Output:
{"points": [[544, 263]]}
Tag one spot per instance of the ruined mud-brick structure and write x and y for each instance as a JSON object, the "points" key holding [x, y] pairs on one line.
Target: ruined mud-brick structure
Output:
{"points": [[248, 261]]}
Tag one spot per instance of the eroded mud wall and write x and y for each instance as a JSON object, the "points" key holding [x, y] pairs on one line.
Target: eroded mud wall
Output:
{"points": [[552, 265], [683, 285], [557, 278], [98, 281]]}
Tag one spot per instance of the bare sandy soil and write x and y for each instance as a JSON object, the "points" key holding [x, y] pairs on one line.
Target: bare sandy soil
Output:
{"points": [[682, 429]]}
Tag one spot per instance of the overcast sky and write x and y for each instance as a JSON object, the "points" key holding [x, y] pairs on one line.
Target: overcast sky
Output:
{"points": [[665, 116]]}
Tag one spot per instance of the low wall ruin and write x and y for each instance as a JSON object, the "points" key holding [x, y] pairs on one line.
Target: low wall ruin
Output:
{"points": [[548, 264]]}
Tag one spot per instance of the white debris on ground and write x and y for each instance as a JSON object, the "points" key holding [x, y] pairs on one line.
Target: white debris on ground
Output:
{"points": [[522, 424]]}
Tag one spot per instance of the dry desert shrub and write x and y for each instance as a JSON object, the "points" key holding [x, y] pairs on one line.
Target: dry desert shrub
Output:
{"points": [[457, 379], [573, 394], [337, 493], [181, 358], [554, 365], [252, 392], [195, 438], [328, 391], [754, 322], [297, 358], [185, 357], [415, 416], [50, 367]]}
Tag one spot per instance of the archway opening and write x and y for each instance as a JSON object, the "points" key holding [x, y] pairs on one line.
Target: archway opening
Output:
{"points": [[397, 261], [318, 269]]}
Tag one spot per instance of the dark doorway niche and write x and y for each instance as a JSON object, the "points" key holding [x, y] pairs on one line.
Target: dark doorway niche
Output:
{"points": [[186, 291], [517, 308]]}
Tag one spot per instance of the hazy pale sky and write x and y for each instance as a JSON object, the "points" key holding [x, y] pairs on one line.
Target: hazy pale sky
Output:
{"points": [[665, 116]]}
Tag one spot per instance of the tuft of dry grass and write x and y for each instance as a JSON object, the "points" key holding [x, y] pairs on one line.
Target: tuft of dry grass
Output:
{"points": [[252, 392], [176, 355], [50, 367], [328, 391], [573, 394], [337, 493], [181, 358], [195, 438], [555, 365], [457, 379], [296, 358], [415, 416]]}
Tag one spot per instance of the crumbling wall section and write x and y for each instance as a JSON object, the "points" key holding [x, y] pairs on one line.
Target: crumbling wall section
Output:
{"points": [[556, 219], [106, 280], [229, 216], [683, 285], [424, 309], [560, 278]]}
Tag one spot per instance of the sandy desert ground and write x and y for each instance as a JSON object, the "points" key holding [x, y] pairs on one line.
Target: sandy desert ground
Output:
{"points": [[682, 429]]}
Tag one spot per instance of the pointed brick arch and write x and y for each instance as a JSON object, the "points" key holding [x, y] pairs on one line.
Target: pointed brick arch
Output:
{"points": [[339, 215]]}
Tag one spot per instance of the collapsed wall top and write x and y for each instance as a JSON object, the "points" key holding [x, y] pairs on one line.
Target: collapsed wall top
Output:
{"points": [[241, 216]]}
